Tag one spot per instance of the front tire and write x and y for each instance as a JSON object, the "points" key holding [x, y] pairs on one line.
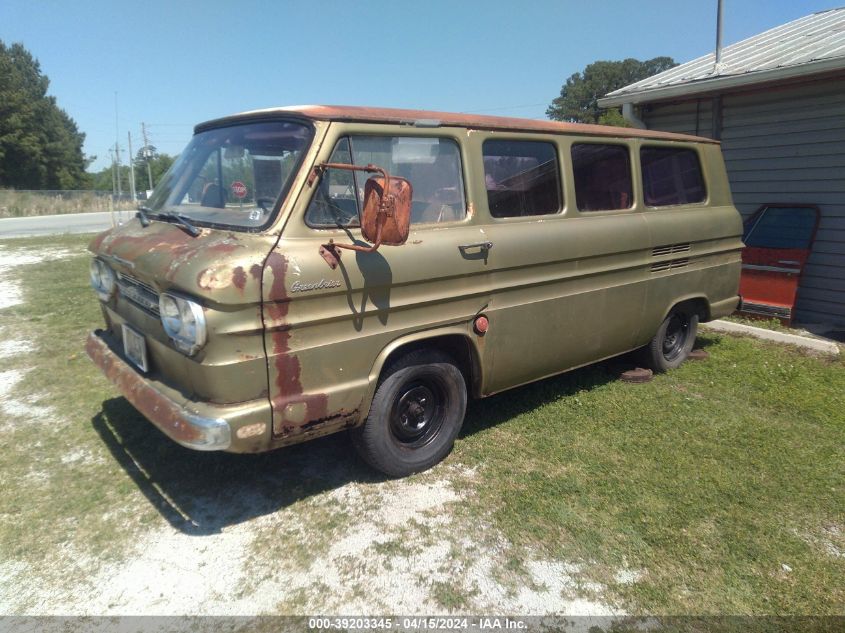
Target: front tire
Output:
{"points": [[415, 416], [673, 342]]}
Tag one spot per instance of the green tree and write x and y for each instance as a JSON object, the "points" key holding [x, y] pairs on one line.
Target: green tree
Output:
{"points": [[103, 180], [578, 100], [40, 145], [159, 163]]}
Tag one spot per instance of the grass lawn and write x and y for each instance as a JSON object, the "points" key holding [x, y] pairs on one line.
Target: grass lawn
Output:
{"points": [[18, 204], [721, 485], [723, 481]]}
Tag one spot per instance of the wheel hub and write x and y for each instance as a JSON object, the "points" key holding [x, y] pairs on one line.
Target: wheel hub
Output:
{"points": [[415, 411], [675, 338]]}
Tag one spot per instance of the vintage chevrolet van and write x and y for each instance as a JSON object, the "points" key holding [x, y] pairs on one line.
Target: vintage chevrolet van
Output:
{"points": [[300, 271]]}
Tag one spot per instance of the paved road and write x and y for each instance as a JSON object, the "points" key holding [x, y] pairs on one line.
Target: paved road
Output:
{"points": [[58, 224]]}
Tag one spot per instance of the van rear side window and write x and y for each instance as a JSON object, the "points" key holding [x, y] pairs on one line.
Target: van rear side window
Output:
{"points": [[671, 176], [522, 177], [602, 177]]}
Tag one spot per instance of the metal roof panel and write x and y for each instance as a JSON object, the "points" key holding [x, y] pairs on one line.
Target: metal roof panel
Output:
{"points": [[813, 38]]}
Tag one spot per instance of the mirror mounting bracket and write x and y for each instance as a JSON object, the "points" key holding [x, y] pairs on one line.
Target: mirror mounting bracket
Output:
{"points": [[331, 254]]}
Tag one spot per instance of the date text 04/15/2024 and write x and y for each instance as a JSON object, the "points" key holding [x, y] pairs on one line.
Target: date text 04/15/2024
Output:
{"points": [[417, 623]]}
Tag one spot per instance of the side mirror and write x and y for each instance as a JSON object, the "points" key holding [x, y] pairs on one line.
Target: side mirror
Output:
{"points": [[386, 216]]}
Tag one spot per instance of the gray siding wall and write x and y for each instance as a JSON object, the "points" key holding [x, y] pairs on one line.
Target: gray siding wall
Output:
{"points": [[785, 145]]}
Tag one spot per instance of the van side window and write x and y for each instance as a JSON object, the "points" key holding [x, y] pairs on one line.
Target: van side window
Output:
{"points": [[432, 165], [522, 177], [335, 200], [602, 177], [671, 175]]}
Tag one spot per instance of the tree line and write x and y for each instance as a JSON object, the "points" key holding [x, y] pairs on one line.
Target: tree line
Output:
{"points": [[41, 145], [103, 180], [578, 100]]}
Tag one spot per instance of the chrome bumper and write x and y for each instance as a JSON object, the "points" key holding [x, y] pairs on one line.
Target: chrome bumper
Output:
{"points": [[175, 420]]}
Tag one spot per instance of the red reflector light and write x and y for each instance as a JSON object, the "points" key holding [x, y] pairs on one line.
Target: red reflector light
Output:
{"points": [[481, 325]]}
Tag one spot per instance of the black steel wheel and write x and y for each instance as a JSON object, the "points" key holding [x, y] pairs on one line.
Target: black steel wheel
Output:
{"points": [[673, 341], [415, 416]]}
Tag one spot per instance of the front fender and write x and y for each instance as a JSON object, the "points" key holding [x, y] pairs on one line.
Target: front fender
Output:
{"points": [[436, 337]]}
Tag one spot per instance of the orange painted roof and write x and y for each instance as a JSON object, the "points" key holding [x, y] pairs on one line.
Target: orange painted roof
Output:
{"points": [[473, 121]]}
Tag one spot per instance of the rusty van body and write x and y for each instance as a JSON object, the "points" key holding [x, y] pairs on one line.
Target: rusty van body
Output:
{"points": [[252, 304]]}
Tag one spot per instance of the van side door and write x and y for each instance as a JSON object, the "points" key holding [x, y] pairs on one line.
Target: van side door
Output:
{"points": [[324, 327], [567, 274]]}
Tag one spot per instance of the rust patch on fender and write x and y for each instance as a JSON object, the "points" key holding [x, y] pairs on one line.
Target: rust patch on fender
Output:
{"points": [[94, 245], [239, 278], [288, 383], [169, 248], [212, 279], [347, 417]]}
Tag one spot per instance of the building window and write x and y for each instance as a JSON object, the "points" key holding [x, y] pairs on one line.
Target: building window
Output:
{"points": [[671, 176], [522, 177], [602, 177]]}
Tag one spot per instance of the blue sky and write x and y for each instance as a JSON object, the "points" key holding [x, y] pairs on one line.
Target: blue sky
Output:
{"points": [[174, 64]]}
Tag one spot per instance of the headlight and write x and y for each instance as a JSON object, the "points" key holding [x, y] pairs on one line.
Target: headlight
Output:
{"points": [[184, 322], [102, 279]]}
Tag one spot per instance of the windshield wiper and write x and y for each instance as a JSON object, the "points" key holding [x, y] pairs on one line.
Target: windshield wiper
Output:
{"points": [[182, 221], [142, 216]]}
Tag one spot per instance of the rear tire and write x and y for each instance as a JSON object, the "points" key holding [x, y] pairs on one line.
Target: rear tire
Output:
{"points": [[673, 342], [415, 416]]}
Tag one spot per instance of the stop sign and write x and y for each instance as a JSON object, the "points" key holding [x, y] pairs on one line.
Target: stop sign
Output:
{"points": [[238, 189]]}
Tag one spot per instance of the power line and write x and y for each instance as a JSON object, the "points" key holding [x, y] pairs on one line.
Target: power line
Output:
{"points": [[514, 107]]}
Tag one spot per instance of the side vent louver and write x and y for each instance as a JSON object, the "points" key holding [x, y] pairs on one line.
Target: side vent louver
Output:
{"points": [[668, 249], [669, 265]]}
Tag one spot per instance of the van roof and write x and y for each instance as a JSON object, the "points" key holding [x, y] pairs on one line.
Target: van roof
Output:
{"points": [[428, 118]]}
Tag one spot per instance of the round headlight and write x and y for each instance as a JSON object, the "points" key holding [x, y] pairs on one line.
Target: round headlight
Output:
{"points": [[102, 279], [107, 279], [95, 274], [189, 321], [184, 322], [171, 317]]}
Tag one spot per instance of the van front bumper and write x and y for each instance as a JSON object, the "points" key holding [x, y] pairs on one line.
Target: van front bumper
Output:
{"points": [[201, 426]]}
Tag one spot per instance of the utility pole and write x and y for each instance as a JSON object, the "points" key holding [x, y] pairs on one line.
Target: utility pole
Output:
{"points": [[147, 153], [113, 174], [131, 168], [119, 179], [117, 148]]}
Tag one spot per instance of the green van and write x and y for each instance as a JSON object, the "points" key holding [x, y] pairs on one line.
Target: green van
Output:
{"points": [[300, 271]]}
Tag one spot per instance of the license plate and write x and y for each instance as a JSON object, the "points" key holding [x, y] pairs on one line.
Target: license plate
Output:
{"points": [[135, 347]]}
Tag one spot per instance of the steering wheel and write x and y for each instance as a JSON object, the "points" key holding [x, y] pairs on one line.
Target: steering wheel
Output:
{"points": [[448, 195], [266, 203]]}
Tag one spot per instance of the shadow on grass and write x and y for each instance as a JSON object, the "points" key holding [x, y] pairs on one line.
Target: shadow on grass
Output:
{"points": [[489, 412], [203, 492]]}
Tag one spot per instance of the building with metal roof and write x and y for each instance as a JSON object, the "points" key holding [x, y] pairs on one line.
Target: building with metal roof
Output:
{"points": [[810, 45], [776, 101]]}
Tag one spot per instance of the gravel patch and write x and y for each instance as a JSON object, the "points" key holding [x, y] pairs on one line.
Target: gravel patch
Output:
{"points": [[11, 293], [406, 546], [17, 411]]}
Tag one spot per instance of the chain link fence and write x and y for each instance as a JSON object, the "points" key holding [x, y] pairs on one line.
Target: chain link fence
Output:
{"points": [[16, 203]]}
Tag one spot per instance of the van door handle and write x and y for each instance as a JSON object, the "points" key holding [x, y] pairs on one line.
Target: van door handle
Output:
{"points": [[485, 246]]}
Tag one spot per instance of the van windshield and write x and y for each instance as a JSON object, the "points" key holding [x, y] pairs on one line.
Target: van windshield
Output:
{"points": [[233, 176]]}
